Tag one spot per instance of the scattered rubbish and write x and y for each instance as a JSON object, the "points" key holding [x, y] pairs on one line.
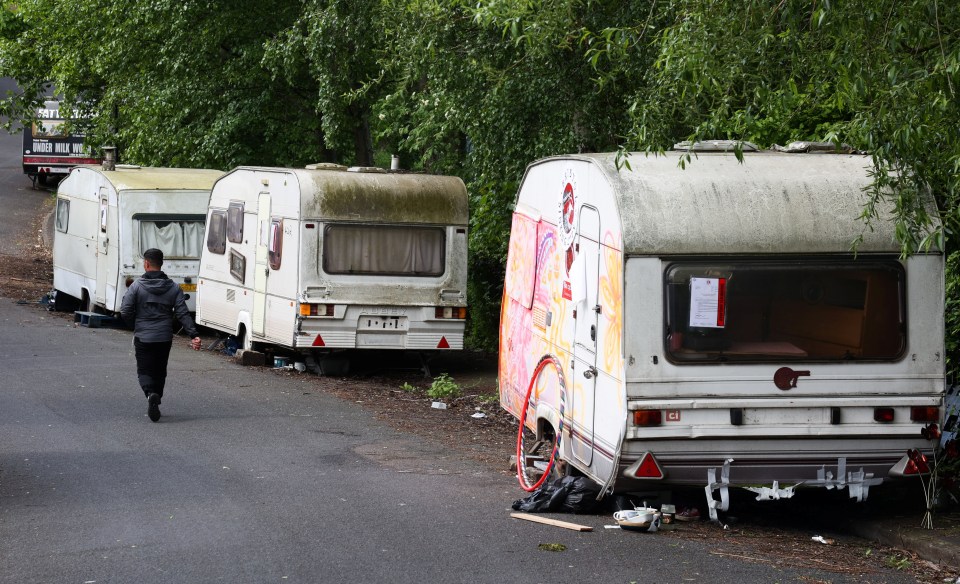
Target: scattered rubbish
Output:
{"points": [[567, 494], [280, 362], [437, 405], [823, 540], [300, 366], [688, 514], [479, 415], [667, 513], [639, 519], [230, 346], [554, 522], [552, 547]]}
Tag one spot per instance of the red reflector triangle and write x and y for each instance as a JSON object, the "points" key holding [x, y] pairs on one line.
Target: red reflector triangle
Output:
{"points": [[318, 342], [649, 469], [443, 344]]}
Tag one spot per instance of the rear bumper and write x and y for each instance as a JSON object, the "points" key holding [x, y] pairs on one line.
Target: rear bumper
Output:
{"points": [[788, 462]]}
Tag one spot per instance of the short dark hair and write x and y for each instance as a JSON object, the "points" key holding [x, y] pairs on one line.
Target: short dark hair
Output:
{"points": [[154, 256]]}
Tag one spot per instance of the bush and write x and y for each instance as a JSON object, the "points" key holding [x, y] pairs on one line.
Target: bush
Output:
{"points": [[443, 387]]}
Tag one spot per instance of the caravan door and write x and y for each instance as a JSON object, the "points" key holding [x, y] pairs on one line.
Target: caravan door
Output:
{"points": [[584, 381], [261, 269], [103, 245]]}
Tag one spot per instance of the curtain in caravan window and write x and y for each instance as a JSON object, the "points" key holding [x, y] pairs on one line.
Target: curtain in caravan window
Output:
{"points": [[177, 239], [375, 249]]}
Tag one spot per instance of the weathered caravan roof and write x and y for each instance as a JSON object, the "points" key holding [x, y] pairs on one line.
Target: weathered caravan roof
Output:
{"points": [[146, 178], [336, 194], [771, 203]]}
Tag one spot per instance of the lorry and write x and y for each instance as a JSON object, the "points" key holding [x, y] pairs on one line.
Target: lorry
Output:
{"points": [[322, 259], [106, 218], [690, 319], [49, 149]]}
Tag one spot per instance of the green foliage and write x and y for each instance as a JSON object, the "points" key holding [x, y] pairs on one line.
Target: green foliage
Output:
{"points": [[408, 388], [481, 88], [881, 76], [172, 82], [898, 562], [444, 387]]}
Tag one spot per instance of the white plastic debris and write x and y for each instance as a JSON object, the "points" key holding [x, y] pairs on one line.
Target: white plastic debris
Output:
{"points": [[821, 539], [438, 405], [479, 415]]}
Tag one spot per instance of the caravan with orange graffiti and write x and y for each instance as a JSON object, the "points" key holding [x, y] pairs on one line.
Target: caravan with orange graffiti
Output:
{"points": [[690, 318]]}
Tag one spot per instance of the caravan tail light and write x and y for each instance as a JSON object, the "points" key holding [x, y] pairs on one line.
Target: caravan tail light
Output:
{"points": [[925, 414], [316, 310], [647, 418], [883, 415], [452, 312]]}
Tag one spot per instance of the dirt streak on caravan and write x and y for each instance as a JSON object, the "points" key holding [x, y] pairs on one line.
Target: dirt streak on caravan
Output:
{"points": [[714, 326], [326, 258]]}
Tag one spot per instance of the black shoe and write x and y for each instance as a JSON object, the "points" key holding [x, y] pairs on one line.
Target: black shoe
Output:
{"points": [[153, 409]]}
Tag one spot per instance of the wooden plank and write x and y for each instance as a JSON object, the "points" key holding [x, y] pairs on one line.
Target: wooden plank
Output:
{"points": [[548, 521]]}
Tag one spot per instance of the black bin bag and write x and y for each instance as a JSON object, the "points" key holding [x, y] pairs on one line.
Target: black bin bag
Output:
{"points": [[563, 495]]}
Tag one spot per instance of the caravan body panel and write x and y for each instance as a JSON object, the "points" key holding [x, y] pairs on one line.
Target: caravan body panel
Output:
{"points": [[721, 318], [105, 220], [323, 259]]}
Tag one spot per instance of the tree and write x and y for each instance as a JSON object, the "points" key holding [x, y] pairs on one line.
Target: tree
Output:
{"points": [[171, 82], [881, 76]]}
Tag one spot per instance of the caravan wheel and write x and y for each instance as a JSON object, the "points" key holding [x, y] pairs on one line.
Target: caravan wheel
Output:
{"points": [[86, 303], [540, 451], [63, 302], [246, 343], [553, 443]]}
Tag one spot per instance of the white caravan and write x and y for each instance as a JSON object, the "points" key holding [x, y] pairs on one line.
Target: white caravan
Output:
{"points": [[710, 325], [325, 258], [106, 219]]}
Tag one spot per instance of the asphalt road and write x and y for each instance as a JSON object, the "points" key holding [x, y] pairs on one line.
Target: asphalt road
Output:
{"points": [[255, 476]]}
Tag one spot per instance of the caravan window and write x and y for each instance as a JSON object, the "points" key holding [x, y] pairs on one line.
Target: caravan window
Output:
{"points": [[235, 222], [387, 250], [217, 233], [770, 311], [276, 243], [63, 215], [178, 236]]}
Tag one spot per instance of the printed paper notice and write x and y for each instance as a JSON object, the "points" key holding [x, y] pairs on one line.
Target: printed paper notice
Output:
{"points": [[707, 302]]}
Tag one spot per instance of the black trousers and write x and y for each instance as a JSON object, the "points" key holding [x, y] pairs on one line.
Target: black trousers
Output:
{"points": [[152, 365]]}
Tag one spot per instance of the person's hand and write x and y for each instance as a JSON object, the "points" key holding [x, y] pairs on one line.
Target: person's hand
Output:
{"points": [[195, 343]]}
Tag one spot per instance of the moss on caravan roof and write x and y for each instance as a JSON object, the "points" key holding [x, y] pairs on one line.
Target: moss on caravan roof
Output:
{"points": [[145, 178], [771, 203], [383, 197]]}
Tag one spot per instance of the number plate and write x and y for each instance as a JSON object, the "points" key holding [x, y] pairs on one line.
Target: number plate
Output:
{"points": [[382, 323], [188, 287]]}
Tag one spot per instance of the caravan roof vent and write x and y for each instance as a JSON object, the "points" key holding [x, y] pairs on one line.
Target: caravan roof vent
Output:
{"points": [[715, 146], [366, 169], [326, 166]]}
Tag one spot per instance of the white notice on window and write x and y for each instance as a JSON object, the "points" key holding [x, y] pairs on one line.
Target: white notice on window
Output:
{"points": [[706, 302]]}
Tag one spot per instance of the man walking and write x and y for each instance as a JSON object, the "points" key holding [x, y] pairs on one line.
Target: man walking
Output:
{"points": [[149, 306]]}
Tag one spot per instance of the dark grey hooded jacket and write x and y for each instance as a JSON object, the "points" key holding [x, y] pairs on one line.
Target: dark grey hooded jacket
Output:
{"points": [[149, 306]]}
